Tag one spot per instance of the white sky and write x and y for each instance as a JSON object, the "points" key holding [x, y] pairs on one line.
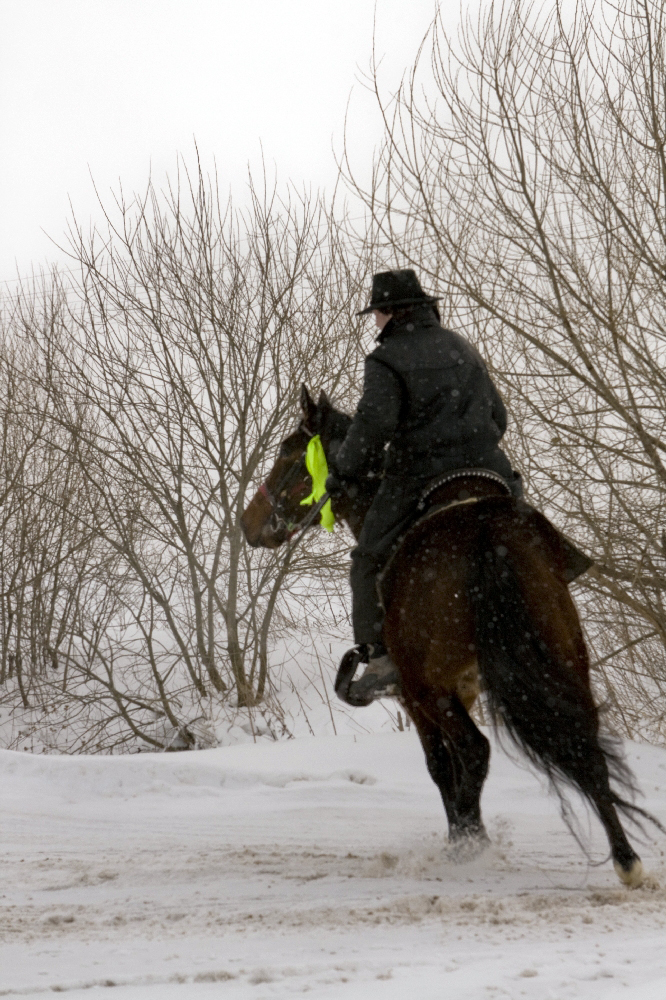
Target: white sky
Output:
{"points": [[115, 88]]}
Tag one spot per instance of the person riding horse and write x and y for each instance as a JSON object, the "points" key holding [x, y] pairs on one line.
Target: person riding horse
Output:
{"points": [[476, 593], [428, 407]]}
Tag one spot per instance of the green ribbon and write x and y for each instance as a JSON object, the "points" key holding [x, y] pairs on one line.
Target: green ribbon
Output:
{"points": [[317, 466]]}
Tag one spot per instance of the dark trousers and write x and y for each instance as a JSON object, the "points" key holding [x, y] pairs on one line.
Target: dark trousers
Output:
{"points": [[389, 517]]}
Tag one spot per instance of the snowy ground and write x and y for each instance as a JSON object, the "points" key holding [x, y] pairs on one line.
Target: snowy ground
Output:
{"points": [[314, 865]]}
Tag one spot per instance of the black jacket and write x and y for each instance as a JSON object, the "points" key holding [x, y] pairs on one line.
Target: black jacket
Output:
{"points": [[428, 396]]}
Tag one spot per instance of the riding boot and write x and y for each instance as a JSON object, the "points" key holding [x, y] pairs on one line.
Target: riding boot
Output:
{"points": [[380, 678], [389, 516]]}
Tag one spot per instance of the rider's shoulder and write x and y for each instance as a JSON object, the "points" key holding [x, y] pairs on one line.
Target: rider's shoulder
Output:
{"points": [[430, 345]]}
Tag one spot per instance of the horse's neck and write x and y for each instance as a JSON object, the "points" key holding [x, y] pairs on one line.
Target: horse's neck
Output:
{"points": [[353, 511], [352, 519], [348, 509]]}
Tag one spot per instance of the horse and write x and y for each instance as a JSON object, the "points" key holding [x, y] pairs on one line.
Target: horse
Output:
{"points": [[476, 596]]}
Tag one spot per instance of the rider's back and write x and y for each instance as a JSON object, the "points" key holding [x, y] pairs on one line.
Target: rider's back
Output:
{"points": [[451, 415]]}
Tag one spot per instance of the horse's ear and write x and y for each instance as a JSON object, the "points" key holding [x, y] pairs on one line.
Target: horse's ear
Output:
{"points": [[308, 409], [324, 402]]}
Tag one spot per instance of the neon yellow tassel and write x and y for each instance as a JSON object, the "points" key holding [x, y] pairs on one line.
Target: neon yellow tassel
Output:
{"points": [[317, 466]]}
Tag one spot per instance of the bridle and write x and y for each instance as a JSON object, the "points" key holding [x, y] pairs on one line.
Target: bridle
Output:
{"points": [[278, 519]]}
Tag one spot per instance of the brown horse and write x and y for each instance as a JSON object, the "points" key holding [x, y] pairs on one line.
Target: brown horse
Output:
{"points": [[475, 594]]}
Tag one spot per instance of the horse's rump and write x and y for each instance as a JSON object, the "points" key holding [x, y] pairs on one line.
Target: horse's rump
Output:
{"points": [[432, 586]]}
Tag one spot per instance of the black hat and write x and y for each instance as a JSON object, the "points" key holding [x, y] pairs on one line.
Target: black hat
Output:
{"points": [[395, 289]]}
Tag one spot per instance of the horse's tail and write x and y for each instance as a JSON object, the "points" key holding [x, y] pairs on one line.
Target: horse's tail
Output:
{"points": [[547, 709]]}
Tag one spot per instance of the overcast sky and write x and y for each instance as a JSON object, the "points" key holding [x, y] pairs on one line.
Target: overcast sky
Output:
{"points": [[115, 88]]}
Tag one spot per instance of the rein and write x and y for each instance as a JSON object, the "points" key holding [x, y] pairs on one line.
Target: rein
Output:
{"points": [[301, 527]]}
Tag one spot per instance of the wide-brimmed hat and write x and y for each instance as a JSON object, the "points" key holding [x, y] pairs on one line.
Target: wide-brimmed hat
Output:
{"points": [[395, 289]]}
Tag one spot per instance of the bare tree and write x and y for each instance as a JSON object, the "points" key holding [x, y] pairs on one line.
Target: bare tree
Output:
{"points": [[164, 375], [41, 546]]}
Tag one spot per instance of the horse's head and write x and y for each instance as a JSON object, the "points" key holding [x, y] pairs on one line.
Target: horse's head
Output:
{"points": [[275, 511]]}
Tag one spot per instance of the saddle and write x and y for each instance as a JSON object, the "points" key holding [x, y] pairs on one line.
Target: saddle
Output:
{"points": [[468, 486], [448, 491]]}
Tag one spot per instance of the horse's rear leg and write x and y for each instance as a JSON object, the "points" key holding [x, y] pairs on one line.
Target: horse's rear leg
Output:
{"points": [[457, 756], [626, 862]]}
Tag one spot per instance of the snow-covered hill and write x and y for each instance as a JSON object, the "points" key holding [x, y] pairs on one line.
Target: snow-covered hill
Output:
{"points": [[314, 865]]}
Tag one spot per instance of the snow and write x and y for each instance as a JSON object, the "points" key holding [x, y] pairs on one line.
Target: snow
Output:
{"points": [[315, 865]]}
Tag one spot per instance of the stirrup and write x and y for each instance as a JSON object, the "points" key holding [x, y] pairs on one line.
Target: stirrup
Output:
{"points": [[345, 674], [355, 693]]}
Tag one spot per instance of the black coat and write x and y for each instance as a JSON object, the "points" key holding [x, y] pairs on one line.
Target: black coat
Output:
{"points": [[427, 395]]}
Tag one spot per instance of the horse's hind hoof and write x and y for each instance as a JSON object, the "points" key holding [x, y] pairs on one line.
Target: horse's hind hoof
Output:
{"points": [[466, 845], [633, 876]]}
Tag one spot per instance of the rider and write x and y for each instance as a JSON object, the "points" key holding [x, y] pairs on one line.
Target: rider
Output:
{"points": [[428, 406]]}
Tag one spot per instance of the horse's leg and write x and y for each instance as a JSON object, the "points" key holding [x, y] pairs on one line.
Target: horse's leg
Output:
{"points": [[625, 860], [457, 756], [570, 639], [627, 864]]}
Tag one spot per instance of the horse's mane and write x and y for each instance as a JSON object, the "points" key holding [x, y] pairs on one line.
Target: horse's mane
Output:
{"points": [[337, 424]]}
